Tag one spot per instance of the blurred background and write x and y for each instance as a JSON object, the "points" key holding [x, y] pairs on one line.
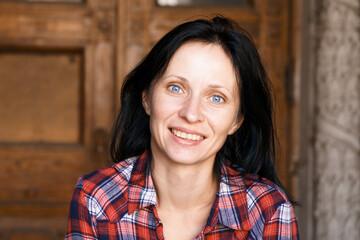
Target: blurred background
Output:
{"points": [[62, 63]]}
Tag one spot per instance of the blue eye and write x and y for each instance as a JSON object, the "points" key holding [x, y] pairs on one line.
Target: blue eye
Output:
{"points": [[175, 89], [217, 99]]}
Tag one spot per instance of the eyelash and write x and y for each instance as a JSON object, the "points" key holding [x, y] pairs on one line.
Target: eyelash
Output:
{"points": [[172, 86]]}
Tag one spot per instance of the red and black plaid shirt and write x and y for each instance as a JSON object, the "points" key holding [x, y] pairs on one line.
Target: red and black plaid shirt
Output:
{"points": [[120, 203]]}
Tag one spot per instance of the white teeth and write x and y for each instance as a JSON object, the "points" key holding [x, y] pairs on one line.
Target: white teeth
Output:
{"points": [[187, 136]]}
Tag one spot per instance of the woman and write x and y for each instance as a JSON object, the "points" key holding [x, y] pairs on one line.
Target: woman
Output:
{"points": [[194, 146]]}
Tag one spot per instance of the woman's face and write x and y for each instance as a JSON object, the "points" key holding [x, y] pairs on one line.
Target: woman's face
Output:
{"points": [[194, 106]]}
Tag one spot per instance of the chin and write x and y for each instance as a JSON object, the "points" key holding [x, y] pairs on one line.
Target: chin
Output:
{"points": [[186, 158]]}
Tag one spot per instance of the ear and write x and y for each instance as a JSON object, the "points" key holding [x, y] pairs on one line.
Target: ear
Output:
{"points": [[146, 102], [236, 125]]}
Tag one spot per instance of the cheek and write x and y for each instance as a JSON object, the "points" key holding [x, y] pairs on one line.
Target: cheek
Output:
{"points": [[162, 109], [162, 102], [222, 121]]}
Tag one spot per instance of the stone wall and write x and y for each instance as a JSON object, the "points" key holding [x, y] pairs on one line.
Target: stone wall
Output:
{"points": [[337, 120]]}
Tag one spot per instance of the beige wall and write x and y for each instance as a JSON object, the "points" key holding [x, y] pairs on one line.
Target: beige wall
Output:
{"points": [[328, 94]]}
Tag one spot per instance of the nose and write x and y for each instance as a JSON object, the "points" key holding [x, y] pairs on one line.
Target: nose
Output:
{"points": [[191, 110]]}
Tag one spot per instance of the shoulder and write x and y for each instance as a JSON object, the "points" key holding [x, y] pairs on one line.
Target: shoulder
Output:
{"points": [[259, 191], [105, 189], [261, 202], [103, 179], [269, 206], [263, 195], [270, 211]]}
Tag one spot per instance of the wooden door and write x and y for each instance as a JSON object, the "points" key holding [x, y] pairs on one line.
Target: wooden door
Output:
{"points": [[56, 106], [61, 65], [145, 21]]}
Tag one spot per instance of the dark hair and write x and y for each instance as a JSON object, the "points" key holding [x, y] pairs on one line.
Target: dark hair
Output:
{"points": [[251, 148]]}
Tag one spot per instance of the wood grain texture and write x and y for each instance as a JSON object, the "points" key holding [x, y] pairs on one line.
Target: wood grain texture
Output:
{"points": [[109, 37], [63, 57], [41, 102]]}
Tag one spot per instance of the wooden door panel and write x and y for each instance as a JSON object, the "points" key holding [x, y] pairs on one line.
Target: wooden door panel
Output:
{"points": [[36, 186], [56, 106], [42, 174], [35, 25], [41, 96], [164, 19], [39, 228]]}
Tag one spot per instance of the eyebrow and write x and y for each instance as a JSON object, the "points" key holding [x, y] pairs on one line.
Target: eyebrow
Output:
{"points": [[177, 76], [214, 86]]}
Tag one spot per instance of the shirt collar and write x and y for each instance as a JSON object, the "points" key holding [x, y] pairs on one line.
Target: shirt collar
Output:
{"points": [[141, 193], [232, 201], [230, 207]]}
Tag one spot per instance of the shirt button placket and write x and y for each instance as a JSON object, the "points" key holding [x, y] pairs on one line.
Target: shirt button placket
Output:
{"points": [[159, 230], [201, 236]]}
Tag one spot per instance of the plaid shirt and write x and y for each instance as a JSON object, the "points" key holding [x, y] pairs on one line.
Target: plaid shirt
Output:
{"points": [[120, 203]]}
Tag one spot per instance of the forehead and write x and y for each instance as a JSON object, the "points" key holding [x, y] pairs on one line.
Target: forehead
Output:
{"points": [[197, 60], [202, 51]]}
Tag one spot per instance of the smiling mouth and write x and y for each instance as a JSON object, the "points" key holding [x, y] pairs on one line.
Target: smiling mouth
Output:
{"points": [[187, 136]]}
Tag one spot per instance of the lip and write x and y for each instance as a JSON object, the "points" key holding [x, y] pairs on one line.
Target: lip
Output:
{"points": [[184, 141], [187, 131]]}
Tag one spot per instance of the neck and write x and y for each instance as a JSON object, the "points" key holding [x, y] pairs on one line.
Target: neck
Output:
{"points": [[183, 187]]}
